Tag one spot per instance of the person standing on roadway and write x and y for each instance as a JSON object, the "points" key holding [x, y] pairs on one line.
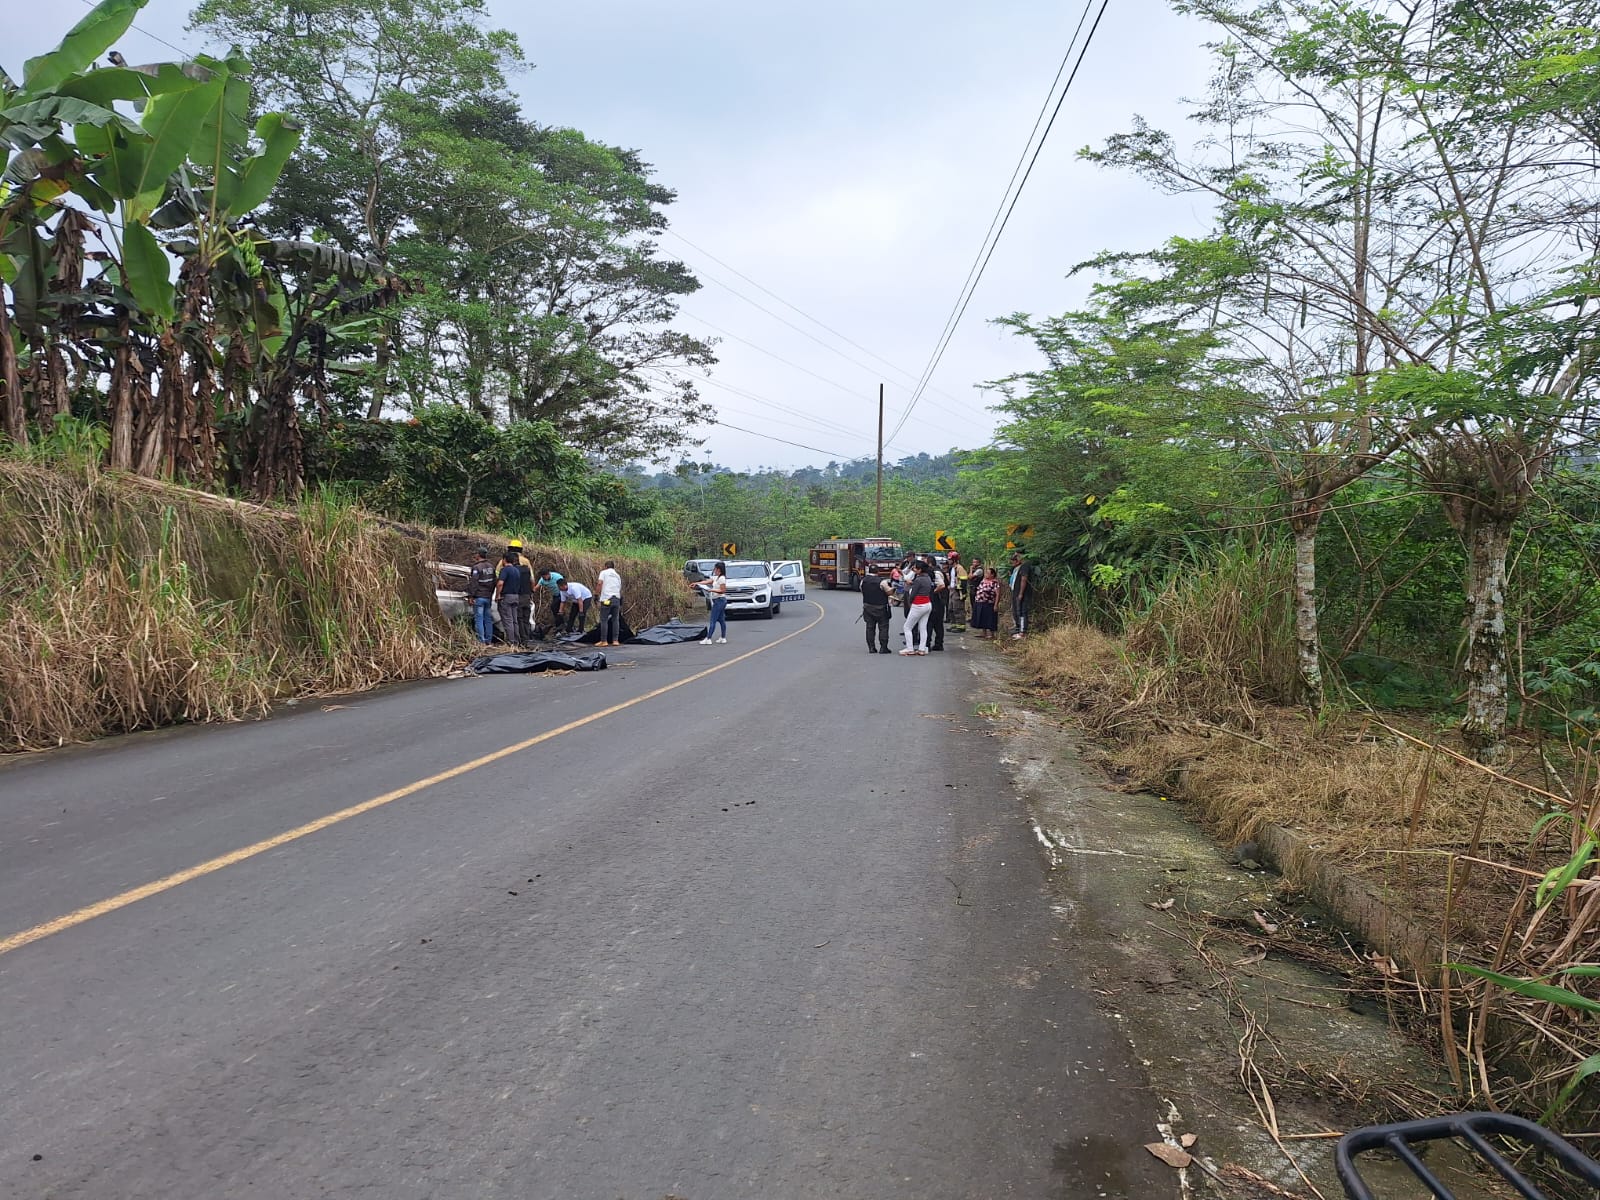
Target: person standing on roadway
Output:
{"points": [[508, 593], [1021, 593], [941, 601], [716, 589], [610, 605], [985, 599], [921, 608], [875, 593], [525, 613], [956, 594], [480, 590]]}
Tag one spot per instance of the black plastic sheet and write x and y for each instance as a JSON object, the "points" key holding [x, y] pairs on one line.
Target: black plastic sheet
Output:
{"points": [[542, 660], [670, 634]]}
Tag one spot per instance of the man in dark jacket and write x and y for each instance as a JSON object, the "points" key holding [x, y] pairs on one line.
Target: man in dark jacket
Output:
{"points": [[875, 595], [480, 592]]}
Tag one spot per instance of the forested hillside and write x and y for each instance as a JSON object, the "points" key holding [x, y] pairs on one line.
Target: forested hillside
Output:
{"points": [[336, 252]]}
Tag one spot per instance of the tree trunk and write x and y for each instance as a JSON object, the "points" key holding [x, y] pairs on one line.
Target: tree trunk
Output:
{"points": [[1483, 728], [13, 416], [380, 375], [122, 388], [1307, 634]]}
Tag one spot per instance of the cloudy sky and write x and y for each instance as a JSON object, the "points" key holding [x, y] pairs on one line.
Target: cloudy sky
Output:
{"points": [[847, 158]]}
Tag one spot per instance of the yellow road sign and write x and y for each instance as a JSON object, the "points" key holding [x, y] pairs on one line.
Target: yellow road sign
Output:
{"points": [[943, 541], [730, 549]]}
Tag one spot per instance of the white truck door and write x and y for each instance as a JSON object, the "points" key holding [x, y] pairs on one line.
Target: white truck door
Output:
{"points": [[791, 576]]}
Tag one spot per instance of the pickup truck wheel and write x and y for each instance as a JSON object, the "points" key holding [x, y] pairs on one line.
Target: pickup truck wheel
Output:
{"points": [[768, 613]]}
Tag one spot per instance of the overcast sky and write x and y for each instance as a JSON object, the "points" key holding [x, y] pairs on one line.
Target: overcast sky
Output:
{"points": [[847, 157]]}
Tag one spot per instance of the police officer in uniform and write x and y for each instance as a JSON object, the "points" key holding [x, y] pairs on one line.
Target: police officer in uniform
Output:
{"points": [[876, 593]]}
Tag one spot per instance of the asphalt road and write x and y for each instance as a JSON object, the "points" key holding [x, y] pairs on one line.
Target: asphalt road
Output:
{"points": [[781, 931]]}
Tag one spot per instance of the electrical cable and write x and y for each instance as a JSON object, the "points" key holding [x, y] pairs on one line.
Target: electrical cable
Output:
{"points": [[155, 37], [797, 445], [809, 317], [854, 393], [984, 255]]}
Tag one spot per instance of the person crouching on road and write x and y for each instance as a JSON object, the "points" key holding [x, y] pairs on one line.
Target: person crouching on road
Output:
{"points": [[575, 598], [480, 590], [716, 590], [921, 610], [875, 594], [610, 605], [508, 594]]}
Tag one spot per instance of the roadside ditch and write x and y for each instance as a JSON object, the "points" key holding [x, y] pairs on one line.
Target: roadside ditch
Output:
{"points": [[1266, 1028]]}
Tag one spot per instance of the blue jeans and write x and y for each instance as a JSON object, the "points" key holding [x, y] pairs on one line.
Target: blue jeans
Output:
{"points": [[483, 619], [719, 615]]}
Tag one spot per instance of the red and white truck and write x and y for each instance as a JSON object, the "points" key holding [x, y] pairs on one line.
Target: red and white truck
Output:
{"points": [[844, 562]]}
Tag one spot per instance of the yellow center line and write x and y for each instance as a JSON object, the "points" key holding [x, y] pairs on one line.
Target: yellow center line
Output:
{"points": [[144, 891]]}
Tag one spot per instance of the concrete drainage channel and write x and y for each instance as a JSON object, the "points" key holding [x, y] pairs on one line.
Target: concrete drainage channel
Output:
{"points": [[1211, 972]]}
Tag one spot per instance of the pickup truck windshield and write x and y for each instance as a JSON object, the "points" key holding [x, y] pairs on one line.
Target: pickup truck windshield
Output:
{"points": [[747, 570]]}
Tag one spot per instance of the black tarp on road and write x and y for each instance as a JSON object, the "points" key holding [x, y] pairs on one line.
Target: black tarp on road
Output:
{"points": [[670, 634], [543, 660]]}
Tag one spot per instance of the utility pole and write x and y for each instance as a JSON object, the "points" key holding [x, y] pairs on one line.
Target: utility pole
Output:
{"points": [[879, 527]]}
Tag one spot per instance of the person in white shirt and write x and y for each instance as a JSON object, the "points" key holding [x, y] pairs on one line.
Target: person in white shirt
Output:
{"points": [[610, 605], [715, 590], [575, 600]]}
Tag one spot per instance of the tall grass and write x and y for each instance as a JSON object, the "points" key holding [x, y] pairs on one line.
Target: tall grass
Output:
{"points": [[128, 604], [1196, 699]]}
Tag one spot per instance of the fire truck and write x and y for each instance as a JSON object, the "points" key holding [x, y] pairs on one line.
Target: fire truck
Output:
{"points": [[844, 562]]}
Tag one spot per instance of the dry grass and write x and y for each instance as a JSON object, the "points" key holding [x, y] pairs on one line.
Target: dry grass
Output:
{"points": [[1245, 763], [130, 604], [1446, 843]]}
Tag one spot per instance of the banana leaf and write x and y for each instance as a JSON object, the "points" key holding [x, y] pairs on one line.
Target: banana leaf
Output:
{"points": [[147, 270], [85, 42]]}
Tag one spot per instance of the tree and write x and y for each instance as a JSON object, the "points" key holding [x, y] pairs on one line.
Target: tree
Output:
{"points": [[363, 78], [1376, 225]]}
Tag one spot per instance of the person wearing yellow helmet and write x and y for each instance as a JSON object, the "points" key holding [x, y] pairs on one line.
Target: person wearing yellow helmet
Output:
{"points": [[525, 613]]}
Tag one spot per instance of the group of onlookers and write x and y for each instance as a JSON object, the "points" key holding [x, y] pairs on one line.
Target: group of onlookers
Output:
{"points": [[934, 593], [513, 585]]}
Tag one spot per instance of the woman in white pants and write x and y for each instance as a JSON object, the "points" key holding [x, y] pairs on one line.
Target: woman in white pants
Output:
{"points": [[921, 609]]}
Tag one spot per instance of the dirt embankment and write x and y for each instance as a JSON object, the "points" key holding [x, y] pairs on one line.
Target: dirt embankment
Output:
{"points": [[1427, 855], [127, 603]]}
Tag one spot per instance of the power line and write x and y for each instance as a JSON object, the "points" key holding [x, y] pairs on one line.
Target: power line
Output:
{"points": [[974, 277], [788, 304], [787, 442], [794, 307], [155, 37], [833, 383]]}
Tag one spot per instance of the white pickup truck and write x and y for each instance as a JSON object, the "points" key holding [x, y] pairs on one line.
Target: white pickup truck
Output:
{"points": [[762, 587]]}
